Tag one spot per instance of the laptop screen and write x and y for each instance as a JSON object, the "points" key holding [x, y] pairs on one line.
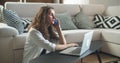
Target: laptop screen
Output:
{"points": [[86, 42]]}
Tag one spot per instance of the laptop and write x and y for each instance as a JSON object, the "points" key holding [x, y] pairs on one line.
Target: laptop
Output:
{"points": [[78, 51]]}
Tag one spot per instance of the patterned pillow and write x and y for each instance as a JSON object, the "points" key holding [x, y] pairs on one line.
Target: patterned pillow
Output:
{"points": [[107, 22], [13, 20], [1, 15], [26, 22], [66, 21]]}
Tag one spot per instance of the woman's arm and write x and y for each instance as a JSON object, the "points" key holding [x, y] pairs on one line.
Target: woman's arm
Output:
{"points": [[63, 46], [61, 36], [37, 38], [62, 43]]}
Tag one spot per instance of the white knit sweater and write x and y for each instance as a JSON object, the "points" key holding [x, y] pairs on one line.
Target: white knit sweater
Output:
{"points": [[35, 42]]}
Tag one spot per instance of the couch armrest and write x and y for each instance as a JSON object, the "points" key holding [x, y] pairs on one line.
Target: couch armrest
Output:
{"points": [[18, 47], [19, 41], [111, 35], [8, 31]]}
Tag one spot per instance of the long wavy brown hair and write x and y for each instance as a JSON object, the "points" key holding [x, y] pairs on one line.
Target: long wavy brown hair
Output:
{"points": [[39, 23]]}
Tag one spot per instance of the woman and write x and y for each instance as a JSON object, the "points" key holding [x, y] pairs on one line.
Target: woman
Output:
{"points": [[42, 35]]}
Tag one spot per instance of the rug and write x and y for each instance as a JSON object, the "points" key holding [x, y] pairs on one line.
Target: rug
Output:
{"points": [[117, 61]]}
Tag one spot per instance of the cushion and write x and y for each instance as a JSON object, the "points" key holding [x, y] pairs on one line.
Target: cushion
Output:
{"points": [[7, 31], [98, 20], [1, 15], [13, 20], [66, 21], [26, 22], [112, 22], [82, 21], [2, 24]]}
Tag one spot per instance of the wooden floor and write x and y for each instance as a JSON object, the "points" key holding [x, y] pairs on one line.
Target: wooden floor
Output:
{"points": [[93, 59]]}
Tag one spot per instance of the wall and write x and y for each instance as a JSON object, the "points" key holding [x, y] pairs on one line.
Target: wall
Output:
{"points": [[75, 1], [45, 1], [106, 2]]}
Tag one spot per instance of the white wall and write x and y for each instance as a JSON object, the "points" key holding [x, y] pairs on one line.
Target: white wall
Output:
{"points": [[106, 2], [75, 1]]}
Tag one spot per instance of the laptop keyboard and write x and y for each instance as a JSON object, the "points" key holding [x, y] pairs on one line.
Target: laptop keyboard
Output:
{"points": [[76, 51]]}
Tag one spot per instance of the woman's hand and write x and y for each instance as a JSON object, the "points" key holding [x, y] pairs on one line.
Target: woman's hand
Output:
{"points": [[56, 23], [73, 44], [58, 29], [63, 46]]}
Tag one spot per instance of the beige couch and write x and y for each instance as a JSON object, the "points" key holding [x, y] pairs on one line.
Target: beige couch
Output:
{"points": [[12, 44]]}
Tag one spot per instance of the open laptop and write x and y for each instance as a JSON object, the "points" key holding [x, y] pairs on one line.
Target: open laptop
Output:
{"points": [[78, 51]]}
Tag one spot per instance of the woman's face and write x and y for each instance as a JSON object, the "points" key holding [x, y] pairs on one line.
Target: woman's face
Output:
{"points": [[51, 16]]}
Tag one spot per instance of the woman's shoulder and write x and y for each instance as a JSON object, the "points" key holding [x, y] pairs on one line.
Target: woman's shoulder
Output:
{"points": [[33, 30], [34, 33]]}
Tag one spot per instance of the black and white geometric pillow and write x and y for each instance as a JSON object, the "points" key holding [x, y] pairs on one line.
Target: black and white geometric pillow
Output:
{"points": [[99, 21], [112, 22], [26, 22], [107, 22]]}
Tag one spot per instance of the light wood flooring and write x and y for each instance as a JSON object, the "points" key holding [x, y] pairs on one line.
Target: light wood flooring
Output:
{"points": [[93, 59]]}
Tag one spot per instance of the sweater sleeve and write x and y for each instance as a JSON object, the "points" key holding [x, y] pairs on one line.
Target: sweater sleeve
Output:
{"points": [[40, 41]]}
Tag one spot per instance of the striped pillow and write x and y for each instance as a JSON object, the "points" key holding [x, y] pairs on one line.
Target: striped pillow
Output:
{"points": [[107, 22], [13, 20]]}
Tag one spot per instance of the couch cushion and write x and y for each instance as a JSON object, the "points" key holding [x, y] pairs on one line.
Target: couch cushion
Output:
{"points": [[92, 9], [7, 31], [24, 9], [112, 11], [78, 35], [61, 8], [111, 35], [3, 24], [111, 48]]}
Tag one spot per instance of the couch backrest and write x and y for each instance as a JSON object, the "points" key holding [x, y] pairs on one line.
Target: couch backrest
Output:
{"points": [[66, 8], [112, 11], [30, 9], [27, 10], [92, 9]]}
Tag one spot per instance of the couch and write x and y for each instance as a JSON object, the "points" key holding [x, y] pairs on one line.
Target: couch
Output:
{"points": [[12, 43]]}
